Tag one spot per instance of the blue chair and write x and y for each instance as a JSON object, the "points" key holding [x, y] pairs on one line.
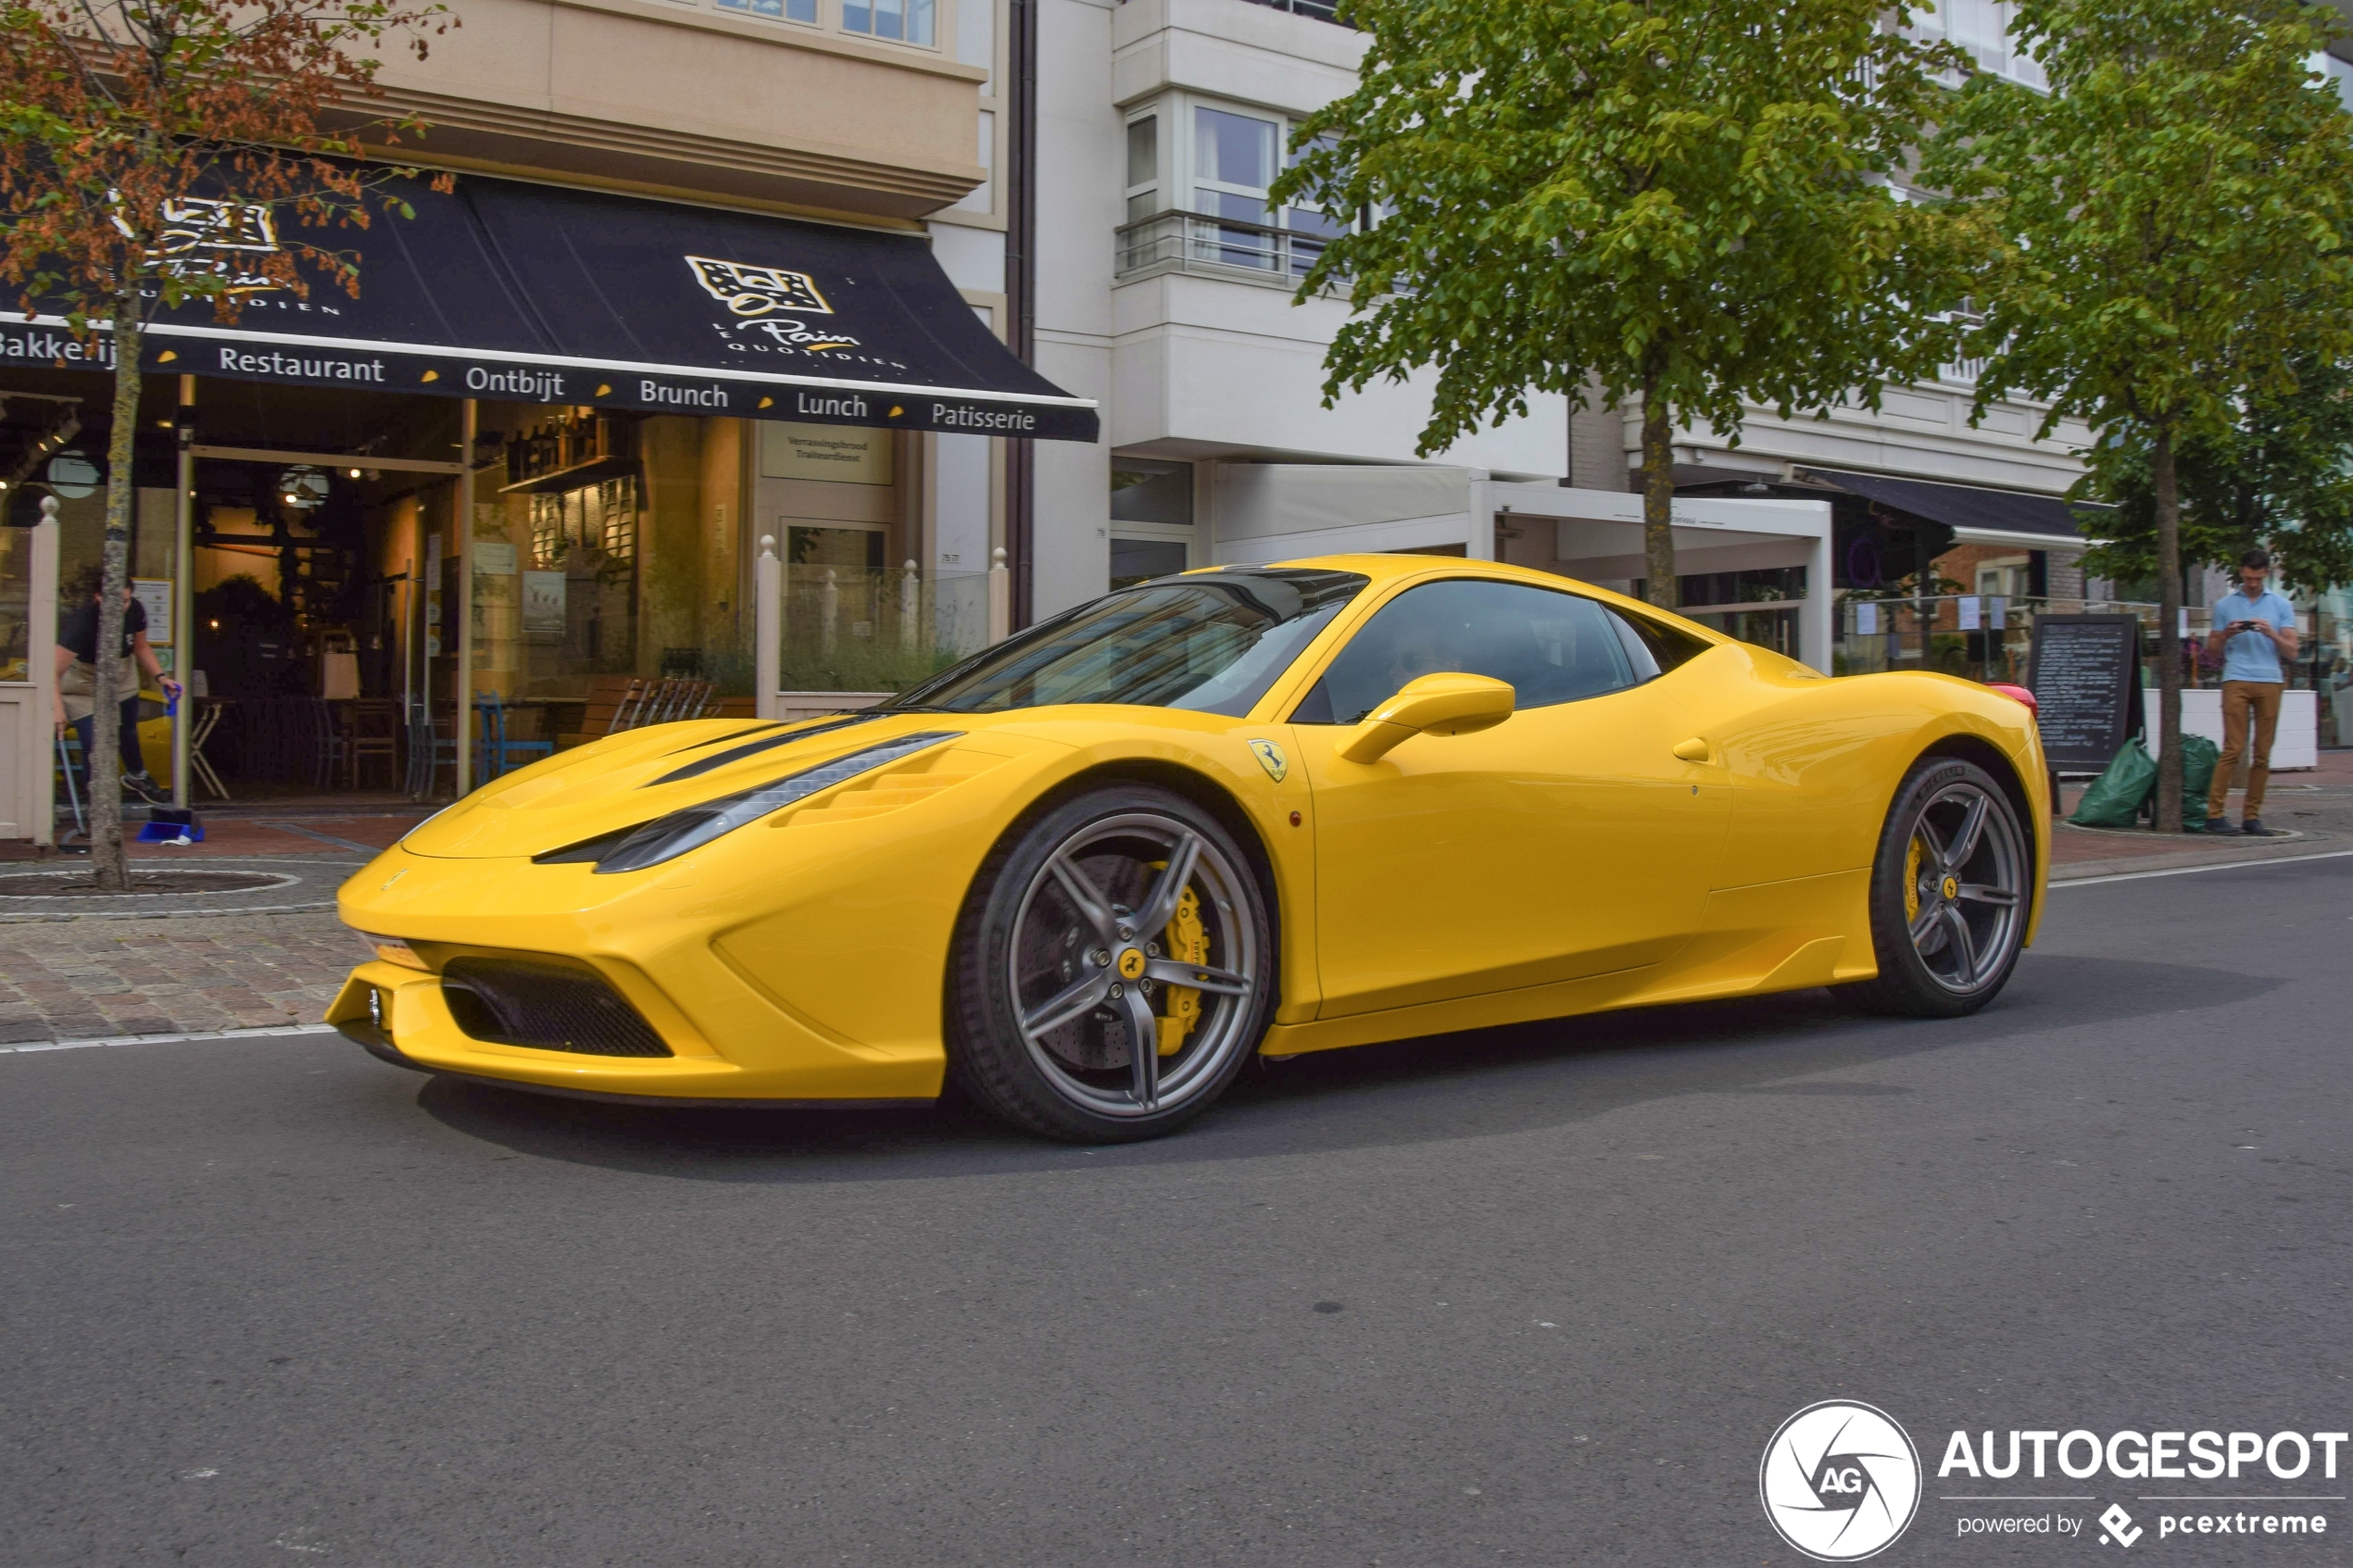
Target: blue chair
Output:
{"points": [[498, 753]]}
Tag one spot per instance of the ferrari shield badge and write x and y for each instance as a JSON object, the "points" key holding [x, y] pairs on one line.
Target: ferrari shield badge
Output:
{"points": [[1270, 756]]}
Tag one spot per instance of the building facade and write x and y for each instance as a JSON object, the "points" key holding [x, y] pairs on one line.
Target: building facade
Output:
{"points": [[1164, 286], [537, 457]]}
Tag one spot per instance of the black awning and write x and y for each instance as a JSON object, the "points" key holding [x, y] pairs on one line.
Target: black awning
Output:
{"points": [[540, 294], [1966, 505]]}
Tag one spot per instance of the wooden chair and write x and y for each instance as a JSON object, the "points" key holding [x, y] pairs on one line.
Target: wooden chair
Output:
{"points": [[200, 771], [612, 701], [632, 702], [371, 734]]}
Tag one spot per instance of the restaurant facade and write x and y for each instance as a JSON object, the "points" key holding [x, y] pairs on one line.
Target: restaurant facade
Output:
{"points": [[527, 473]]}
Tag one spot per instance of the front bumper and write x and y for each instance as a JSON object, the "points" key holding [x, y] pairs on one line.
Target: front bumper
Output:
{"points": [[399, 1015], [363, 1032]]}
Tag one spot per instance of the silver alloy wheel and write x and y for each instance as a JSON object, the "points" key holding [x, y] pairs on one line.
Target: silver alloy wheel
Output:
{"points": [[1093, 966], [1964, 888]]}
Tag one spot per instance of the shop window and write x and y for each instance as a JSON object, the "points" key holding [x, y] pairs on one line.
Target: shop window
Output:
{"points": [[600, 518], [1720, 589], [1139, 560], [15, 603], [841, 546], [909, 21]]}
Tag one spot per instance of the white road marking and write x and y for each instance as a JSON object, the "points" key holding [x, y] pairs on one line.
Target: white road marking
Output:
{"points": [[2192, 871], [170, 1039]]}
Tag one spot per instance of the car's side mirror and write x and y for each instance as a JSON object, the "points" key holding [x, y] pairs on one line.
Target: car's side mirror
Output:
{"points": [[1449, 704]]}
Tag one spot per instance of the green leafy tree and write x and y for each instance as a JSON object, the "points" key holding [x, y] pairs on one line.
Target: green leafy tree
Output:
{"points": [[2279, 478], [135, 134], [2176, 212], [1683, 202]]}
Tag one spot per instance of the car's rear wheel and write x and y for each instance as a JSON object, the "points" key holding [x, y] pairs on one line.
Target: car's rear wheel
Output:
{"points": [[1113, 969], [1949, 894]]}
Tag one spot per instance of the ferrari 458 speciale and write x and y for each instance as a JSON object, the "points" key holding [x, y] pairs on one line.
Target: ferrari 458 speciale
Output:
{"points": [[1094, 869]]}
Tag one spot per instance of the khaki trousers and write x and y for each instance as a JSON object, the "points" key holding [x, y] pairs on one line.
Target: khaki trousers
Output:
{"points": [[2241, 701]]}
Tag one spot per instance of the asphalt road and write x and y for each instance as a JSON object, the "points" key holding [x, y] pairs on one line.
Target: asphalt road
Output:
{"points": [[1536, 1295]]}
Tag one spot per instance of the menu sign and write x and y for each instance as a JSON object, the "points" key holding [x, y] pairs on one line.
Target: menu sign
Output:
{"points": [[2085, 673]]}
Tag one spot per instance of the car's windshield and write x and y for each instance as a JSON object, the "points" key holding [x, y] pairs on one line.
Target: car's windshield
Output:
{"points": [[1211, 643]]}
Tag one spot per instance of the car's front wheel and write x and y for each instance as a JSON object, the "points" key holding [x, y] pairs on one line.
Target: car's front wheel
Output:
{"points": [[1113, 969], [1949, 894]]}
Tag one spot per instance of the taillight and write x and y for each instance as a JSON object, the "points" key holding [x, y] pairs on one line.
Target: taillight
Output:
{"points": [[2016, 693]]}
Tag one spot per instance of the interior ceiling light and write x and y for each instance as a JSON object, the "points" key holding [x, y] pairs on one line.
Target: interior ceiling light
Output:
{"points": [[303, 487]]}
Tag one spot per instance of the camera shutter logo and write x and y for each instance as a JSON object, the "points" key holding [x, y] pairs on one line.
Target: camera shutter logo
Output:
{"points": [[1840, 1481]]}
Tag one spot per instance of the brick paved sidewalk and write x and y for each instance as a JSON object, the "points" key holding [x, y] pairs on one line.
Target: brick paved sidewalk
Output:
{"points": [[86, 979]]}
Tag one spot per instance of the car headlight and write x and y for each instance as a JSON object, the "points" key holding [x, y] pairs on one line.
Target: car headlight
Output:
{"points": [[666, 838]]}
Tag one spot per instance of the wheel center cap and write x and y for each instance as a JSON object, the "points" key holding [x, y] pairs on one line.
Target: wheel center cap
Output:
{"points": [[1952, 889], [1132, 964]]}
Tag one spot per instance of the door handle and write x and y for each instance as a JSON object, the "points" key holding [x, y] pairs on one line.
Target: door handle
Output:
{"points": [[1695, 749]]}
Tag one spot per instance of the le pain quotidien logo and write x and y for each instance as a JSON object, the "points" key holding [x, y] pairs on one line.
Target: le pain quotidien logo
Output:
{"points": [[1840, 1481], [767, 302]]}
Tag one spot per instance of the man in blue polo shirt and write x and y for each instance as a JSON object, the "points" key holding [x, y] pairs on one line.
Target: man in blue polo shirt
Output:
{"points": [[2254, 630]]}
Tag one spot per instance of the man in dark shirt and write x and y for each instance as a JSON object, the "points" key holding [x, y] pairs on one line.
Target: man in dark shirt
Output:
{"points": [[78, 685]]}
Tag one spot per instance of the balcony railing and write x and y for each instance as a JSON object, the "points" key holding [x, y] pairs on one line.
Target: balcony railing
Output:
{"points": [[1188, 242]]}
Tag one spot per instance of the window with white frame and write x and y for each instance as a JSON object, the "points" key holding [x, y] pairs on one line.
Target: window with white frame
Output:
{"points": [[909, 21], [1151, 519], [1143, 166], [1982, 27], [803, 11], [1217, 161], [1235, 157]]}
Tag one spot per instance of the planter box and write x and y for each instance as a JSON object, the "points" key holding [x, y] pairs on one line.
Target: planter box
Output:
{"points": [[2296, 745], [816, 705]]}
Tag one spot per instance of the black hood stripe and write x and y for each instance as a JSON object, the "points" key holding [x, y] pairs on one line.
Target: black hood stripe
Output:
{"points": [[753, 748]]}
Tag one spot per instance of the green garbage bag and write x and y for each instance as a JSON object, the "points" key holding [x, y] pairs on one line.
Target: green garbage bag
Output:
{"points": [[2116, 797], [2198, 759]]}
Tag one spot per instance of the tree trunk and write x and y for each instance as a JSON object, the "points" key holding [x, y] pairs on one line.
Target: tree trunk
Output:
{"points": [[2169, 633], [1658, 499], [108, 865]]}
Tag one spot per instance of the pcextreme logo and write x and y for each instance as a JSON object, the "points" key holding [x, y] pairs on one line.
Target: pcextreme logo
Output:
{"points": [[1840, 1481]]}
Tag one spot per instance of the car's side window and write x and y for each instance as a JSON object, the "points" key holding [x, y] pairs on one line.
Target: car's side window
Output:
{"points": [[1551, 647], [1655, 648]]}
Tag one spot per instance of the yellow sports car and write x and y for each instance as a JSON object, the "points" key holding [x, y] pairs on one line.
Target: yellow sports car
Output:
{"points": [[1093, 868]]}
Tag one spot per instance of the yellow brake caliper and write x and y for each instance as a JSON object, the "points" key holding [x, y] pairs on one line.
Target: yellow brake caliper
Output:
{"points": [[1187, 943], [1912, 880]]}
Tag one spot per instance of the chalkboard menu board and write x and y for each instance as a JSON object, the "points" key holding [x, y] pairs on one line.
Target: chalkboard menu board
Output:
{"points": [[2085, 673]]}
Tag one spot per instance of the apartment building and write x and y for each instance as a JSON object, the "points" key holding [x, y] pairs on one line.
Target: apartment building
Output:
{"points": [[1163, 286]]}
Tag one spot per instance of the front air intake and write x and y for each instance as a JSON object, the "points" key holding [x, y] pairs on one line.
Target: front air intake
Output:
{"points": [[545, 1007]]}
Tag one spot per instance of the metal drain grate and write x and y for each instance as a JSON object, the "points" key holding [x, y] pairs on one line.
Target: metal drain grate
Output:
{"points": [[545, 1007]]}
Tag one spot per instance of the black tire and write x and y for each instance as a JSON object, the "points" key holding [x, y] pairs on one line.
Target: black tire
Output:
{"points": [[1948, 917], [1050, 936]]}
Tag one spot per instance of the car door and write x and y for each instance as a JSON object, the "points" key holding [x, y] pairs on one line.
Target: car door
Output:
{"points": [[1567, 841]]}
